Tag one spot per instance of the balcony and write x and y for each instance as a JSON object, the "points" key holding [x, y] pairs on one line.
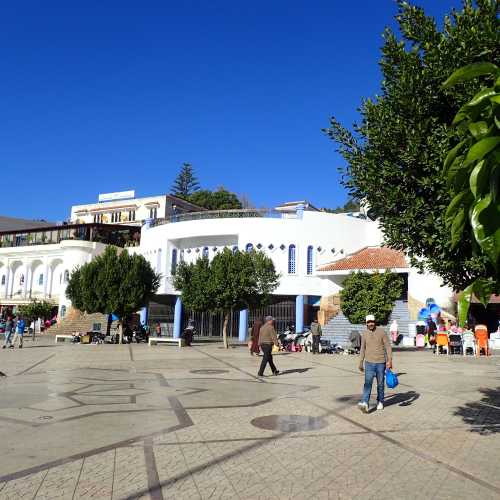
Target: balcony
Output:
{"points": [[224, 214], [110, 234]]}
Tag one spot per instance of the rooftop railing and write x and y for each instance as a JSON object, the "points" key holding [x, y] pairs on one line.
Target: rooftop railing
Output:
{"points": [[224, 214], [118, 235]]}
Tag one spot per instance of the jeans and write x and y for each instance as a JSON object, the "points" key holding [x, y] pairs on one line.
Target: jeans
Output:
{"points": [[267, 349], [373, 370], [315, 345], [8, 338]]}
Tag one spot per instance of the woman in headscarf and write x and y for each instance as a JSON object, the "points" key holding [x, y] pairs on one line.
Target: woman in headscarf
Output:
{"points": [[253, 343]]}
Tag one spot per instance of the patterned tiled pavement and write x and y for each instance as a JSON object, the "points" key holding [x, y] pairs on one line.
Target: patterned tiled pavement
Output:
{"points": [[139, 422]]}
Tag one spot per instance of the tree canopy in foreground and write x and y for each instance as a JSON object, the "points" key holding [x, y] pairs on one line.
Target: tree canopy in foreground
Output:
{"points": [[395, 154]]}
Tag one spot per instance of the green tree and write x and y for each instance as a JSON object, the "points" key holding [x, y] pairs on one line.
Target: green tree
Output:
{"points": [[36, 309], [232, 281], [472, 170], [351, 205], [186, 182], [365, 293], [395, 154], [113, 282], [221, 199]]}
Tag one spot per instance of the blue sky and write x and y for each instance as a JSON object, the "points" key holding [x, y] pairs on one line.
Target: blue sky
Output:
{"points": [[107, 96]]}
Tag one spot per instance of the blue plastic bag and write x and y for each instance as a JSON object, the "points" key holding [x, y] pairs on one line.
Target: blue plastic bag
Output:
{"points": [[391, 379]]}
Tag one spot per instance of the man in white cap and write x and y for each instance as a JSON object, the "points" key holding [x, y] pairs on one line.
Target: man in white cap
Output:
{"points": [[376, 353]]}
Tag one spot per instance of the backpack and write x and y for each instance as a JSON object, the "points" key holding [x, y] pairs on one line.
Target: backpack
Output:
{"points": [[391, 379]]}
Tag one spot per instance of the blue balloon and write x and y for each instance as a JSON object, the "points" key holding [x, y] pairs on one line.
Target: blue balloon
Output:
{"points": [[434, 309], [424, 313]]}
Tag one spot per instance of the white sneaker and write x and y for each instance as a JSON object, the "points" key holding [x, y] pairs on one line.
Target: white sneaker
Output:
{"points": [[380, 406], [363, 407]]}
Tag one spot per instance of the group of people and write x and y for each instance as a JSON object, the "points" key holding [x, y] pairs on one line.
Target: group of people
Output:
{"points": [[375, 355], [14, 332]]}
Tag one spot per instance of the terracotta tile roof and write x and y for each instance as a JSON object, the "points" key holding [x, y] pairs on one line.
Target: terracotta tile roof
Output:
{"points": [[369, 258]]}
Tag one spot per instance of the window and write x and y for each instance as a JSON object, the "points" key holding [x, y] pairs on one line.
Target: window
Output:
{"points": [[63, 311], [174, 260], [310, 259], [291, 259], [205, 252], [66, 276], [153, 213], [181, 256], [116, 216], [131, 215], [98, 218], [21, 279], [249, 247], [3, 279], [40, 279]]}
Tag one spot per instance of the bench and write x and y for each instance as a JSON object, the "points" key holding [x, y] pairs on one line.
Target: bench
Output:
{"points": [[166, 340], [63, 338]]}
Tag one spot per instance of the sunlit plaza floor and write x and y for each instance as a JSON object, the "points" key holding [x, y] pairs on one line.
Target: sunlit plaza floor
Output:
{"points": [[126, 422]]}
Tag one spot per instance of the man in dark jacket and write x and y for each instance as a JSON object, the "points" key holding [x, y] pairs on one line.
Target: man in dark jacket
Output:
{"points": [[9, 332], [268, 339], [316, 336]]}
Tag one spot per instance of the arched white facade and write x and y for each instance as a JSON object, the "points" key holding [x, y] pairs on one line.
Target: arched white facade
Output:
{"points": [[331, 236]]}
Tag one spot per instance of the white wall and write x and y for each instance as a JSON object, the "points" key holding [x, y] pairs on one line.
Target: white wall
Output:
{"points": [[321, 230], [427, 285], [50, 260]]}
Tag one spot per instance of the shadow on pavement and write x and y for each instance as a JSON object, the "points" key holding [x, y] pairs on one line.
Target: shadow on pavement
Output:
{"points": [[401, 398], [484, 415], [295, 370]]}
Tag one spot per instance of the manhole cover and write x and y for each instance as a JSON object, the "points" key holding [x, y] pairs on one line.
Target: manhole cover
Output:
{"points": [[289, 423], [209, 372], [45, 417]]}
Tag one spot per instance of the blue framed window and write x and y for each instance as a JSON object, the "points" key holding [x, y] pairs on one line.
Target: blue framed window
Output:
{"points": [[205, 252], [249, 247], [40, 279], [174, 260], [310, 251], [291, 259]]}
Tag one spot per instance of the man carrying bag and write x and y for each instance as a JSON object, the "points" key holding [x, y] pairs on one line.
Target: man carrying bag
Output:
{"points": [[376, 353]]}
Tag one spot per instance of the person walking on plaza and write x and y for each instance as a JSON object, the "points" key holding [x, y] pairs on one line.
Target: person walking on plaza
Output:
{"points": [[316, 336], [376, 353], [19, 332], [268, 339], [9, 331], [253, 342]]}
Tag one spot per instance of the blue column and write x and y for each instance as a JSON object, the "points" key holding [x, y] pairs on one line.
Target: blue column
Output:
{"points": [[178, 318], [143, 313], [299, 313], [242, 334]]}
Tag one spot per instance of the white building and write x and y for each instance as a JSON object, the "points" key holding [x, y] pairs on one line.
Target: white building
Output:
{"points": [[36, 263], [300, 240], [125, 208], [312, 250]]}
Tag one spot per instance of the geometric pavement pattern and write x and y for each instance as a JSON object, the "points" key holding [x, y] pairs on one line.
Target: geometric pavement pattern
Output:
{"points": [[126, 422]]}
